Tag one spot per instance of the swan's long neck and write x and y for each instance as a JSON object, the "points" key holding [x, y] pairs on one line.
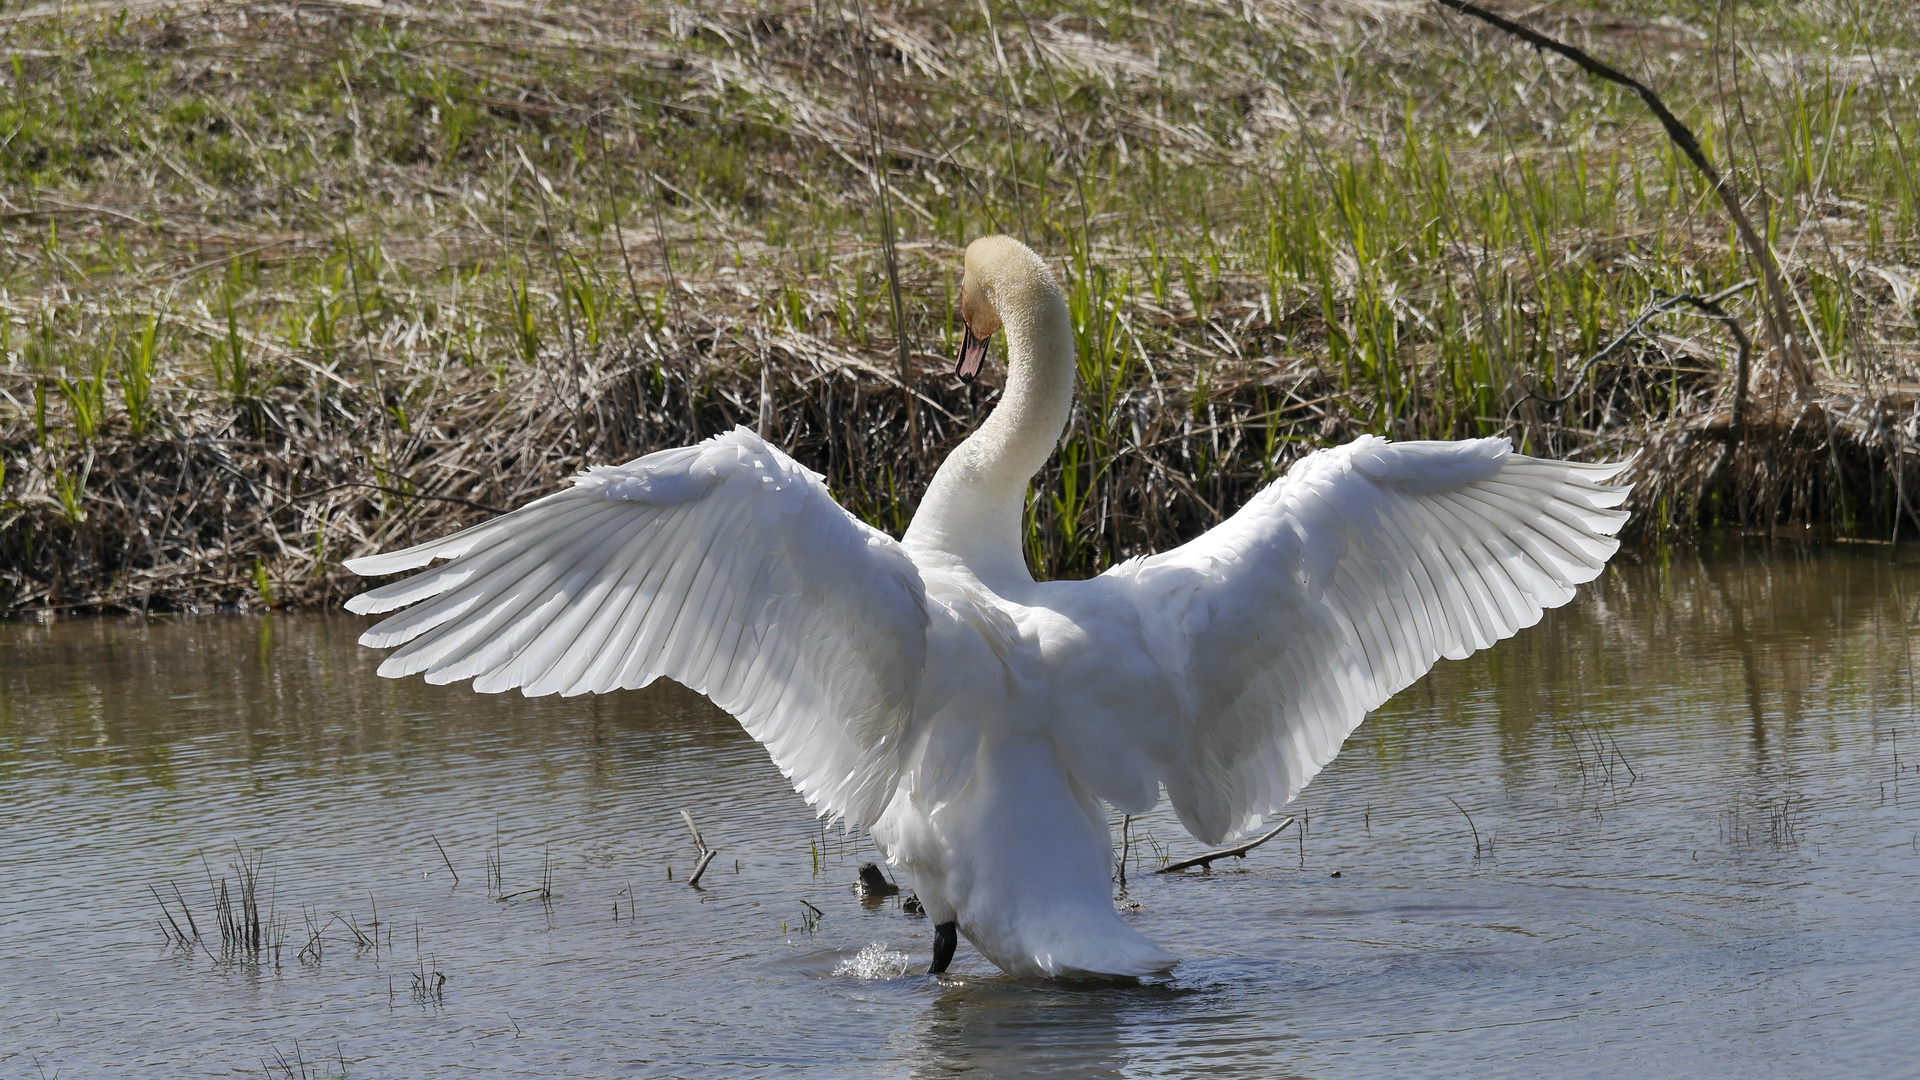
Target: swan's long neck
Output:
{"points": [[973, 510]]}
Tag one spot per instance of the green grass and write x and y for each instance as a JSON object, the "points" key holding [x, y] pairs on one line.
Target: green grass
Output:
{"points": [[426, 254]]}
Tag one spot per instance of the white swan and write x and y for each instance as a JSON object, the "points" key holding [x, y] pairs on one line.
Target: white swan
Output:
{"points": [[975, 719]]}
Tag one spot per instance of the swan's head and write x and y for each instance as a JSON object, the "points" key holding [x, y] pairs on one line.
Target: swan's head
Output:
{"points": [[1000, 279]]}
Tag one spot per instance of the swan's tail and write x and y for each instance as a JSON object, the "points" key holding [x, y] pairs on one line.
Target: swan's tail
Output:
{"points": [[1118, 952], [1023, 861]]}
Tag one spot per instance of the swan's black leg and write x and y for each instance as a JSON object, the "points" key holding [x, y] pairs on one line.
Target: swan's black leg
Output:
{"points": [[945, 937]]}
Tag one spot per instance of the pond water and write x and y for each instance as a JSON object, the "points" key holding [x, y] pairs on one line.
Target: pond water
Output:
{"points": [[1694, 848]]}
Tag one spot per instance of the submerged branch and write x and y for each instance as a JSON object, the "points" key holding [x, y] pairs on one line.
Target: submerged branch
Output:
{"points": [[706, 853], [1206, 861]]}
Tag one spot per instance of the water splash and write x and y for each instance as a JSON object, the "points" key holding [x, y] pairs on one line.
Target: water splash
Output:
{"points": [[874, 962]]}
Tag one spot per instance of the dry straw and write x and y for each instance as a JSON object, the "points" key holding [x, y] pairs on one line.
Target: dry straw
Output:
{"points": [[287, 283]]}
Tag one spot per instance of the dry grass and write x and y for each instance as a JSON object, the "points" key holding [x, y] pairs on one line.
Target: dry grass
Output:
{"points": [[288, 282]]}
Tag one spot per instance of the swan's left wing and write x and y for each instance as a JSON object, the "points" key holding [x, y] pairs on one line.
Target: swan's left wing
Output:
{"points": [[725, 566], [1334, 588]]}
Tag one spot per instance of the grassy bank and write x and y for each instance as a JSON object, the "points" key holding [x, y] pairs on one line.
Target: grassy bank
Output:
{"points": [[283, 283]]}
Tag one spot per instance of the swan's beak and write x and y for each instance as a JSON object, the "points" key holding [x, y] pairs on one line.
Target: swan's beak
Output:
{"points": [[973, 353]]}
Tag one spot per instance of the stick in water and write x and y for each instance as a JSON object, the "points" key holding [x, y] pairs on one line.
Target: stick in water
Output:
{"points": [[444, 859], [1206, 861], [706, 853]]}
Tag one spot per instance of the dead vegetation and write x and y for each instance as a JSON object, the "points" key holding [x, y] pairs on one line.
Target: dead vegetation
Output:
{"points": [[287, 283]]}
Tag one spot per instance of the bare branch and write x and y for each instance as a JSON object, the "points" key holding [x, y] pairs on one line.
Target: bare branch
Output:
{"points": [[1779, 321], [1206, 861]]}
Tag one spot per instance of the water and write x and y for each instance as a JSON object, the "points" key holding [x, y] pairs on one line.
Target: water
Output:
{"points": [[1696, 855]]}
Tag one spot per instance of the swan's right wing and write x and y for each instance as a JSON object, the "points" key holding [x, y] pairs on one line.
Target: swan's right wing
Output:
{"points": [[725, 566], [1337, 586]]}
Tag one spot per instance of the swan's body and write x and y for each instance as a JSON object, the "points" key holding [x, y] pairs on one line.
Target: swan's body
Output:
{"points": [[973, 718]]}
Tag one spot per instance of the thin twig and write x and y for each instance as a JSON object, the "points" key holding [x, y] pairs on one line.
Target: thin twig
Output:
{"points": [[1708, 304], [391, 491], [1470, 824], [666, 251], [366, 345], [870, 98], [1206, 861], [613, 212], [443, 858]]}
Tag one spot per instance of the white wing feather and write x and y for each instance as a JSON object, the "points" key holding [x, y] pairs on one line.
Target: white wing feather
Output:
{"points": [[1336, 587], [725, 566]]}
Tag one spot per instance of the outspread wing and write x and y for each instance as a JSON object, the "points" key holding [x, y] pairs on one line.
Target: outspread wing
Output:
{"points": [[725, 566], [1337, 586]]}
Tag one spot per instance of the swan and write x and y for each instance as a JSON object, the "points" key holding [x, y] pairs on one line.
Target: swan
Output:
{"points": [[975, 720]]}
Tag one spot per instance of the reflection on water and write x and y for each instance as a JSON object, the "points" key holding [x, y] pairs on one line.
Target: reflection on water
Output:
{"points": [[1687, 841]]}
